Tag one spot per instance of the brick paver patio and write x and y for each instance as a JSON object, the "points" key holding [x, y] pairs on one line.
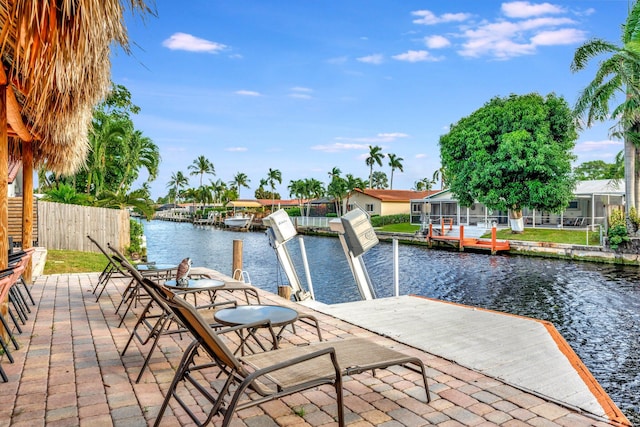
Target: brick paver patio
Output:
{"points": [[69, 372]]}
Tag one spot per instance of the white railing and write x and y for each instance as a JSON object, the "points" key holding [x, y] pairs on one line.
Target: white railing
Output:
{"points": [[311, 221]]}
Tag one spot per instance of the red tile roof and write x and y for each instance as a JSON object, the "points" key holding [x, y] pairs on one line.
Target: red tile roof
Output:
{"points": [[396, 195]]}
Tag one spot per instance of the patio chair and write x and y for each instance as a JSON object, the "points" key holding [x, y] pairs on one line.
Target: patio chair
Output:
{"points": [[272, 374], [156, 322], [113, 267]]}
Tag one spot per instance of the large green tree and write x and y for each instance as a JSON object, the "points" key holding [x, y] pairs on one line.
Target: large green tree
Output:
{"points": [[512, 153], [618, 72], [599, 169]]}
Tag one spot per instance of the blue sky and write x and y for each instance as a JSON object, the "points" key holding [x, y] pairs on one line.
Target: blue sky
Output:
{"points": [[305, 86]]}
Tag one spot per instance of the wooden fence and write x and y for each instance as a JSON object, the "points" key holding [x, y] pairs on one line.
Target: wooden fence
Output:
{"points": [[15, 222], [63, 226]]}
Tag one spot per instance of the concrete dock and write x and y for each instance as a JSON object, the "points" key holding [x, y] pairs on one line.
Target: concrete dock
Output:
{"points": [[526, 353]]}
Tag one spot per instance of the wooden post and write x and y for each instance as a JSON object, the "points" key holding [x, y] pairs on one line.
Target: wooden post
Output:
{"points": [[4, 176], [237, 259], [461, 246], [27, 203], [284, 291], [493, 240], [430, 235]]}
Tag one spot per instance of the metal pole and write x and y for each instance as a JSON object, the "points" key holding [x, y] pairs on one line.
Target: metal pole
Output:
{"points": [[396, 279], [305, 263]]}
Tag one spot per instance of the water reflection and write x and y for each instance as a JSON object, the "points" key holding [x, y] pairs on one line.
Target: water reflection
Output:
{"points": [[596, 307]]}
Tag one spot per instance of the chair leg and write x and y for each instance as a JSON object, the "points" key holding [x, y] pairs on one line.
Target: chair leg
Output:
{"points": [[5, 348], [147, 359], [3, 375], [26, 288], [17, 304], [5, 325], [179, 376]]}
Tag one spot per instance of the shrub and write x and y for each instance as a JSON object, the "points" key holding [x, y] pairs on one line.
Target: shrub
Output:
{"points": [[379, 221], [293, 211], [617, 232], [136, 231]]}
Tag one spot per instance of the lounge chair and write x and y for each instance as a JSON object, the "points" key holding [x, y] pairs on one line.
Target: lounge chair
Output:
{"points": [[113, 267], [156, 318], [271, 374]]}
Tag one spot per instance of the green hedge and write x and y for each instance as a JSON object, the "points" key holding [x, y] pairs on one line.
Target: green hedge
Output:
{"points": [[379, 221]]}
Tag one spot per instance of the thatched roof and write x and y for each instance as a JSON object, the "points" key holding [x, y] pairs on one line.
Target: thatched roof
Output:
{"points": [[55, 55]]}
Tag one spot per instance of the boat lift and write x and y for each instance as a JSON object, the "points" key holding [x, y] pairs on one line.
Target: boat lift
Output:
{"points": [[280, 230], [357, 236]]}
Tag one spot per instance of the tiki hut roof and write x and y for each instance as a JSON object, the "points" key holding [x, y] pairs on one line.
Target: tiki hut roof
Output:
{"points": [[55, 59]]}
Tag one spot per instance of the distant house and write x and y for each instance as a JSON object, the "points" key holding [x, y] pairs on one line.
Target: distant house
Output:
{"points": [[384, 202], [591, 201]]}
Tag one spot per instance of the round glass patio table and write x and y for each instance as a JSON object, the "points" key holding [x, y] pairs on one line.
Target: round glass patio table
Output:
{"points": [[277, 315], [260, 316], [155, 267], [201, 284]]}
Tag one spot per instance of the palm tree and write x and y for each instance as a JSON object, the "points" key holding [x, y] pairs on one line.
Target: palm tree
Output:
{"points": [[395, 162], [140, 151], [177, 182], [296, 189], [107, 133], [619, 72], [313, 189], [425, 184], [379, 180], [138, 199], [273, 176], [240, 180], [375, 156], [218, 188], [439, 175], [336, 188], [201, 166], [351, 184]]}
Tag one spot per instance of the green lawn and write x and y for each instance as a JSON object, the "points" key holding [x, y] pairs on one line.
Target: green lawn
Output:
{"points": [[553, 235], [63, 262], [400, 228]]}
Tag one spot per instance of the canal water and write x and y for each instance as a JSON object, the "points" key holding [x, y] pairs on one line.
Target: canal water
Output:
{"points": [[596, 307]]}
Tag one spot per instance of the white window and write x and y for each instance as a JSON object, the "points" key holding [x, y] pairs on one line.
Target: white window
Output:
{"points": [[368, 207]]}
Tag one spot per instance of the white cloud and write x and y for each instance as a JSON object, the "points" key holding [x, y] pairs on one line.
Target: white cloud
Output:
{"points": [[248, 93], [426, 17], [420, 156], [183, 41], [359, 143], [301, 92], [436, 42], [298, 95], [558, 37], [236, 149], [337, 147], [416, 56], [524, 9], [505, 39], [597, 146], [376, 58]]}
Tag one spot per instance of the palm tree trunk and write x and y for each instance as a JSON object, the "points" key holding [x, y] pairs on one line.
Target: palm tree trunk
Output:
{"points": [[629, 179]]}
